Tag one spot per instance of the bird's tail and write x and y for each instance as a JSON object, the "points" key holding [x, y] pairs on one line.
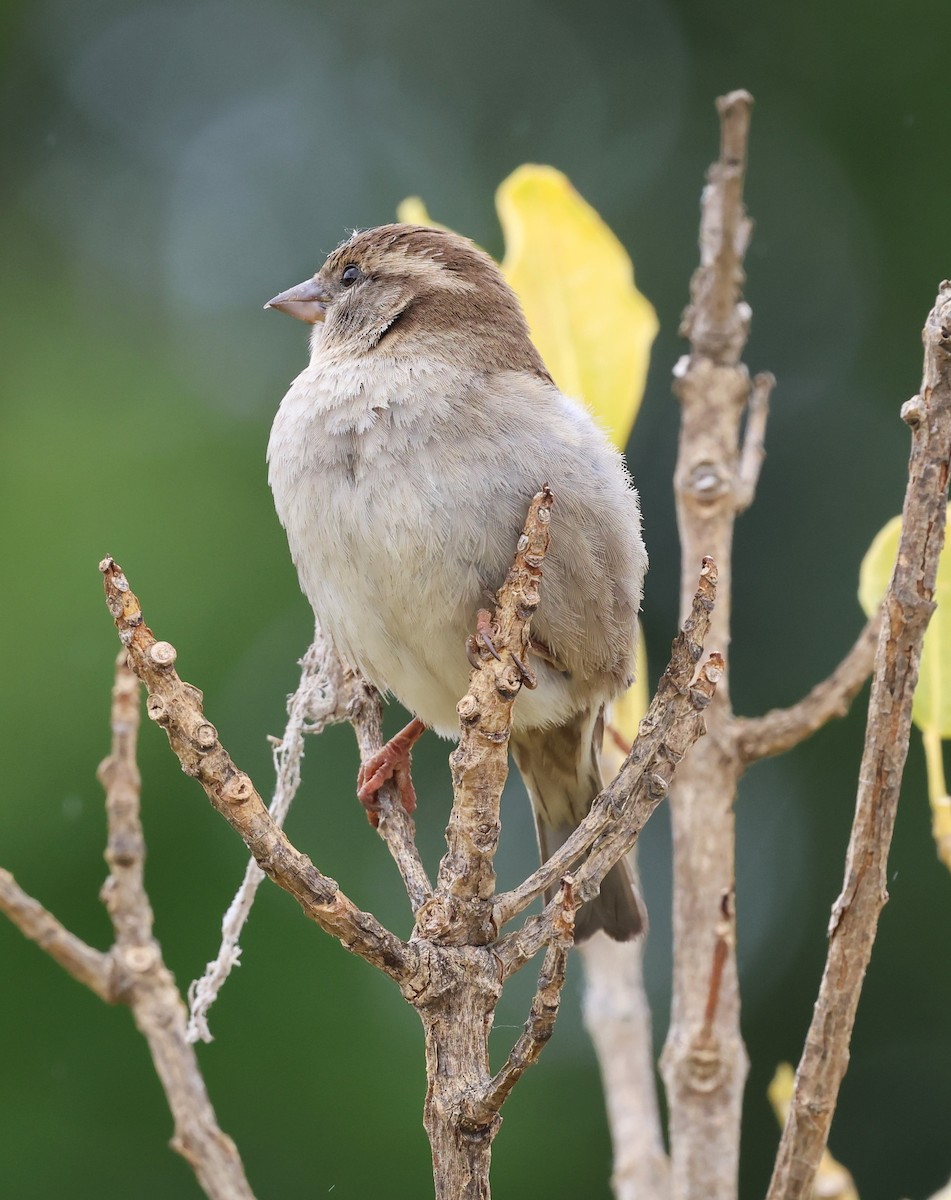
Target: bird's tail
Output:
{"points": [[561, 770]]}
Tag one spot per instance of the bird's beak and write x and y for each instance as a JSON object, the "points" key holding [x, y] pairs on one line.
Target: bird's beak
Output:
{"points": [[307, 302]]}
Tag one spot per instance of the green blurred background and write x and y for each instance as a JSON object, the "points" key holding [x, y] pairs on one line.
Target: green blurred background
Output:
{"points": [[167, 168]]}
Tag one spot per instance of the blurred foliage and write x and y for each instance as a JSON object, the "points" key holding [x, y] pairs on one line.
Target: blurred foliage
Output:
{"points": [[167, 166]]}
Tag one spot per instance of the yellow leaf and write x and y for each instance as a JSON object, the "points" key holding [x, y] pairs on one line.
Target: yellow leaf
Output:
{"points": [[412, 211], [591, 325], [833, 1181], [932, 704], [931, 707], [624, 715]]}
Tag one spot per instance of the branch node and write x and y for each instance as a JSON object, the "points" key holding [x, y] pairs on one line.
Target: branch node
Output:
{"points": [[205, 735], [139, 959], [238, 790], [914, 412], [163, 654], [468, 709]]}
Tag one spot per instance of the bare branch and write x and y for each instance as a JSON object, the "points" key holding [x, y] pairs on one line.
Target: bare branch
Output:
{"points": [[462, 908], [783, 728], [544, 1011], [682, 735], [320, 700], [133, 972], [145, 982], [639, 785], [177, 706], [753, 450], [704, 1070], [87, 965], [123, 892], [617, 1016], [907, 609], [673, 722], [717, 319], [395, 824]]}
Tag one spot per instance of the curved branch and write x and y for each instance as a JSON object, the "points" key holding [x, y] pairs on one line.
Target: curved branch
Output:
{"points": [[782, 728]]}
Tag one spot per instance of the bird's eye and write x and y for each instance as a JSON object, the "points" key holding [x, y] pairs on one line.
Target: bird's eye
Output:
{"points": [[350, 275]]}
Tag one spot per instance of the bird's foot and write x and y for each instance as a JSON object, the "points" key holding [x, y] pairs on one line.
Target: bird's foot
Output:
{"points": [[481, 640], [391, 761]]}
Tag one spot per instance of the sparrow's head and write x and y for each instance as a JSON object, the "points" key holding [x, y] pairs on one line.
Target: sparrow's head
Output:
{"points": [[410, 290]]}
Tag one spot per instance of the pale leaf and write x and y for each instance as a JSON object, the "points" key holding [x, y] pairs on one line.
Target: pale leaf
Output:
{"points": [[591, 325]]}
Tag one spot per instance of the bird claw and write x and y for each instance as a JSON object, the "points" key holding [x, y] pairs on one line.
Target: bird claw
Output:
{"points": [[529, 678], [391, 761], [484, 632]]}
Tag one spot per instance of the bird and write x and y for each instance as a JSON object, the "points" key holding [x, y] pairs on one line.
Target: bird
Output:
{"points": [[402, 462]]}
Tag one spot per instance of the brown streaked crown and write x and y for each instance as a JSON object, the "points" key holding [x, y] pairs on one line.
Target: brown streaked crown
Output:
{"points": [[437, 293]]}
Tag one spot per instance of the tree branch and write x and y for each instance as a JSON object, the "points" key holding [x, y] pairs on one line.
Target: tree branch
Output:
{"points": [[544, 1011], [319, 700], [617, 1016], [672, 723], [395, 824], [177, 706], [753, 450], [704, 1062], [146, 984], [906, 611], [462, 909], [783, 728], [89, 966], [133, 972]]}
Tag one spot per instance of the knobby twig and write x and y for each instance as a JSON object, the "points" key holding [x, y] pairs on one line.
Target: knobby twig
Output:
{"points": [[906, 611], [704, 1061], [453, 969], [394, 824], [643, 778], [544, 1011], [133, 972], [177, 707]]}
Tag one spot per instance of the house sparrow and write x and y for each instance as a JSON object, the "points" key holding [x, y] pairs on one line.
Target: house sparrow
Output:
{"points": [[403, 460]]}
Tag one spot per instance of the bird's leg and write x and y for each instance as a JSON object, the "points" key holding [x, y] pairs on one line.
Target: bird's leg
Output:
{"points": [[391, 761]]}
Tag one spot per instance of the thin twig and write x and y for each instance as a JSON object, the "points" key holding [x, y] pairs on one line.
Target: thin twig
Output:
{"points": [[177, 706], [395, 825], [86, 964], [907, 609], [717, 320], [147, 984], [753, 450], [544, 1011], [782, 728], [318, 701], [704, 1070], [123, 892]]}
